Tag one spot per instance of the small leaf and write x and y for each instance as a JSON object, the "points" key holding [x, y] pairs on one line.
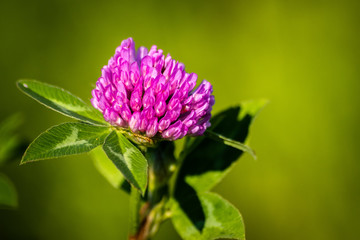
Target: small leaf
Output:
{"points": [[230, 142], [61, 101], [8, 196], [109, 171], [65, 139], [206, 161], [128, 159], [222, 219]]}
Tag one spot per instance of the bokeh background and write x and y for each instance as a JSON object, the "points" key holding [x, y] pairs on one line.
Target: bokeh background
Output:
{"points": [[301, 55]]}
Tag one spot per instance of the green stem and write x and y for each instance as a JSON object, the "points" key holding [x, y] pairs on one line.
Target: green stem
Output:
{"points": [[135, 199]]}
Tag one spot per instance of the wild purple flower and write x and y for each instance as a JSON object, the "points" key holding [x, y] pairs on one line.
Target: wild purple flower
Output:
{"points": [[152, 94]]}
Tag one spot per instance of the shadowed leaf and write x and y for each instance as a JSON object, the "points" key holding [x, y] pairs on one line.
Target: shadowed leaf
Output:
{"points": [[222, 219], [207, 162]]}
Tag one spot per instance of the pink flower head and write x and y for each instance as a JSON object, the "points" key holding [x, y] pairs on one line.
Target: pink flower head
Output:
{"points": [[152, 94]]}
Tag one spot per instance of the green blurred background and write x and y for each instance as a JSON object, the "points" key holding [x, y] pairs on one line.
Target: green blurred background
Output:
{"points": [[301, 55]]}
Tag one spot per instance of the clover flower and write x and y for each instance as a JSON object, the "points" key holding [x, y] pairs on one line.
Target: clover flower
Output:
{"points": [[152, 94]]}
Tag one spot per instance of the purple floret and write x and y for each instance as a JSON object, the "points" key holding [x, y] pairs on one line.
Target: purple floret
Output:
{"points": [[152, 94]]}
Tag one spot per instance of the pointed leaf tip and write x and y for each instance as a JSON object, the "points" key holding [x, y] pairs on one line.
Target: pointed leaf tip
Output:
{"points": [[61, 101]]}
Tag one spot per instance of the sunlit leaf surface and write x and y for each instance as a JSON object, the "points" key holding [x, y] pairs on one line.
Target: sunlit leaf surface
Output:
{"points": [[65, 139], [61, 101], [128, 159]]}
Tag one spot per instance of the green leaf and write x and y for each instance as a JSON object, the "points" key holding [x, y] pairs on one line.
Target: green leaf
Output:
{"points": [[61, 101], [65, 139], [8, 196], [205, 161], [109, 171], [230, 142], [9, 141], [221, 220], [128, 159]]}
